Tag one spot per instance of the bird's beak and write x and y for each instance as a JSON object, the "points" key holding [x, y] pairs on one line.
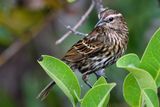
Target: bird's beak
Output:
{"points": [[100, 23]]}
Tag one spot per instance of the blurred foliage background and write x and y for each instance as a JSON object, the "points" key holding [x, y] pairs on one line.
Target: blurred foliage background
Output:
{"points": [[29, 28]]}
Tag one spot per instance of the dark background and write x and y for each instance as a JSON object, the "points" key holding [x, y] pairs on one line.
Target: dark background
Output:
{"points": [[29, 28]]}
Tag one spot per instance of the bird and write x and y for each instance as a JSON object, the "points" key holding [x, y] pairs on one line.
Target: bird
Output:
{"points": [[99, 49]]}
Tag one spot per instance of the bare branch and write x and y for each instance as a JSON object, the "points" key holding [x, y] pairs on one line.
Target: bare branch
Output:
{"points": [[74, 31], [83, 18], [18, 45], [99, 5]]}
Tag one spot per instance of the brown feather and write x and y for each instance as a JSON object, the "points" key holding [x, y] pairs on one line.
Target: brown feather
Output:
{"points": [[82, 49]]}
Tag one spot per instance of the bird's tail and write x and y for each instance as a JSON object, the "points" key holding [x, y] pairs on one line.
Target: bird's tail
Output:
{"points": [[43, 94]]}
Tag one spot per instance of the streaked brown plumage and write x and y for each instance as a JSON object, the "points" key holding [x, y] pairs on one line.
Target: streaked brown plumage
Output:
{"points": [[101, 48]]}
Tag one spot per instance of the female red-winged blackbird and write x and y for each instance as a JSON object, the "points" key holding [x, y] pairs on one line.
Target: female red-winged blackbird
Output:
{"points": [[99, 49]]}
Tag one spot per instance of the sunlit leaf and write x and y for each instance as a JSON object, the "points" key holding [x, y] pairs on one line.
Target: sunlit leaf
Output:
{"points": [[98, 95], [151, 98], [101, 81], [131, 91], [151, 57], [140, 78], [62, 75]]}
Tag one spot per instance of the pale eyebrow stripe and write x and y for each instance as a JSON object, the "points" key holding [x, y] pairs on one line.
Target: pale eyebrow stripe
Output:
{"points": [[114, 15]]}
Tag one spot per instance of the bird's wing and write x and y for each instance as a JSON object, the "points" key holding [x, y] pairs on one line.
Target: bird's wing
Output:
{"points": [[82, 49]]}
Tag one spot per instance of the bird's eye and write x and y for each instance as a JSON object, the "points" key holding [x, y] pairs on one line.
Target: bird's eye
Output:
{"points": [[110, 19]]}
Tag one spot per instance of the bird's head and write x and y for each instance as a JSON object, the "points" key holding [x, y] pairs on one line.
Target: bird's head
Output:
{"points": [[111, 19]]}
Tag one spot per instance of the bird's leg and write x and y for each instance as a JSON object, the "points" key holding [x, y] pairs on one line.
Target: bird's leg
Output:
{"points": [[75, 32], [85, 79], [100, 73]]}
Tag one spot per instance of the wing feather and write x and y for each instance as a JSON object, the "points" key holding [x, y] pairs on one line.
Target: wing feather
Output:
{"points": [[83, 49]]}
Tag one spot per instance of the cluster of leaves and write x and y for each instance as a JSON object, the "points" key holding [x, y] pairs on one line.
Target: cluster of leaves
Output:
{"points": [[140, 85], [68, 83]]}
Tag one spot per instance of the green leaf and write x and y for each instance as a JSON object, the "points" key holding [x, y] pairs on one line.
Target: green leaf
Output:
{"points": [[140, 78], [100, 81], [62, 75], [151, 98], [128, 60], [151, 57], [143, 78], [131, 91], [97, 96]]}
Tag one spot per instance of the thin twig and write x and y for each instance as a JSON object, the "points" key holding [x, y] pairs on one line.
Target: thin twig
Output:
{"points": [[75, 32], [83, 18], [17, 45], [72, 30], [99, 5]]}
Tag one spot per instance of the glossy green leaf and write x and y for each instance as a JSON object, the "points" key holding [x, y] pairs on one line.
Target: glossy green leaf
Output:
{"points": [[151, 98], [128, 60], [131, 91], [100, 81], [151, 57], [140, 78], [62, 75], [143, 78], [97, 96]]}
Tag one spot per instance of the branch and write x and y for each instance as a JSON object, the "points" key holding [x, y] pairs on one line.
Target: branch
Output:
{"points": [[18, 45], [83, 18], [75, 32], [72, 30], [99, 5]]}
